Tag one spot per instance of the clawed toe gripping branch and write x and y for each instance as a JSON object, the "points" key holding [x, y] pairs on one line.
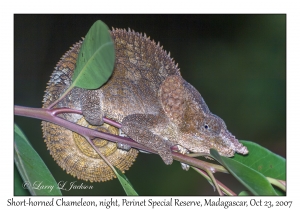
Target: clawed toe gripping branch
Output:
{"points": [[51, 115]]}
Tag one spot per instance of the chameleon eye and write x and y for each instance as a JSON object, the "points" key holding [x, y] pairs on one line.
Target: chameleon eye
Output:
{"points": [[206, 126]]}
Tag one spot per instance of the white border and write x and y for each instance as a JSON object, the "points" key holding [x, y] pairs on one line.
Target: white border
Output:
{"points": [[152, 6]]}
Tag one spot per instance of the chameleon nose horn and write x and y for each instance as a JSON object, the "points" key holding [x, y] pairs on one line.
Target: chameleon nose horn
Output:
{"points": [[242, 149], [235, 144]]}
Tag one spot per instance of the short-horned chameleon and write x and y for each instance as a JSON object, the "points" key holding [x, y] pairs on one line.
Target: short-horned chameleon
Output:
{"points": [[147, 95]]}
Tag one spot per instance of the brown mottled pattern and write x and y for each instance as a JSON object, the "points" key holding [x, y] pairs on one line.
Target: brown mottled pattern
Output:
{"points": [[172, 98], [141, 66]]}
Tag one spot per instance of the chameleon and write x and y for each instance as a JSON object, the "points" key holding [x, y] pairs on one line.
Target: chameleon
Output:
{"points": [[147, 95]]}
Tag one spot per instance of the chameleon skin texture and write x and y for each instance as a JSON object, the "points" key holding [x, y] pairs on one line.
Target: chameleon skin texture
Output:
{"points": [[148, 96], [154, 104]]}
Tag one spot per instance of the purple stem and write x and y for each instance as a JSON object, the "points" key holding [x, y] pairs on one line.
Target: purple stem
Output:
{"points": [[223, 187], [57, 111], [50, 115]]}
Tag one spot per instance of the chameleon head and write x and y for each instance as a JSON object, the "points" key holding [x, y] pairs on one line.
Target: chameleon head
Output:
{"points": [[214, 133], [206, 132], [198, 130]]}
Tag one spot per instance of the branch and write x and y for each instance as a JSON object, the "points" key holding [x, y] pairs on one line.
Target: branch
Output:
{"points": [[221, 185], [50, 116], [278, 183]]}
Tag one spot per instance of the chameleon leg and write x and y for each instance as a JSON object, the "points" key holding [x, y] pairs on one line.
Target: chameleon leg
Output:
{"points": [[90, 107], [184, 151], [122, 146], [138, 127]]}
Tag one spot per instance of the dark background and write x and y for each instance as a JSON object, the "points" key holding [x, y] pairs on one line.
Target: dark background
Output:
{"points": [[237, 62]]}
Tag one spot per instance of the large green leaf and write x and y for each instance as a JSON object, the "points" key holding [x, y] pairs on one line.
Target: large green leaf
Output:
{"points": [[254, 181], [32, 168], [96, 58], [263, 161]]}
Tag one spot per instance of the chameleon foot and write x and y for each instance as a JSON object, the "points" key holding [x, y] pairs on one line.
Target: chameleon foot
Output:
{"points": [[136, 126]]}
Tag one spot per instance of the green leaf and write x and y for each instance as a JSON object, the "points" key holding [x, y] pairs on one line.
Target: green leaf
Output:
{"points": [[263, 161], [18, 184], [125, 182], [96, 58], [33, 170], [244, 193], [254, 181]]}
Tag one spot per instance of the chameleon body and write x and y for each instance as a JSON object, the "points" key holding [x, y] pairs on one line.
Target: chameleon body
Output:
{"points": [[148, 96]]}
